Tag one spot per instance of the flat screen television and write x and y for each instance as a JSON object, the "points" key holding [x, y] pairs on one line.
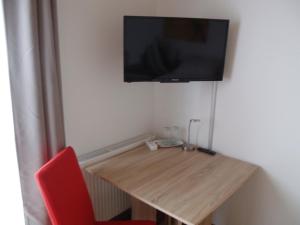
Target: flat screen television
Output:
{"points": [[169, 49]]}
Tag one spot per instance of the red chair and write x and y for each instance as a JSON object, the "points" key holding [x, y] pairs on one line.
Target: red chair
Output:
{"points": [[65, 194]]}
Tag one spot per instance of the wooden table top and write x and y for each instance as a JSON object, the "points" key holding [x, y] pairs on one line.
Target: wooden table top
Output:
{"points": [[187, 186]]}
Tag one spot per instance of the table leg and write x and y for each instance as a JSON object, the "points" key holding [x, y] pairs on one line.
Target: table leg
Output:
{"points": [[207, 220], [169, 219], [142, 211], [179, 222]]}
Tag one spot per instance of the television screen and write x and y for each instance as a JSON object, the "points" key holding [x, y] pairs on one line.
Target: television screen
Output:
{"points": [[168, 49]]}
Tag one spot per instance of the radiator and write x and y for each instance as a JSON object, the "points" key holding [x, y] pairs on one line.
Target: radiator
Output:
{"points": [[108, 201]]}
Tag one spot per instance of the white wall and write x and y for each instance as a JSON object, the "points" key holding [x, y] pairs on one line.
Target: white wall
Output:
{"points": [[258, 107], [176, 104], [99, 108], [10, 193], [257, 117]]}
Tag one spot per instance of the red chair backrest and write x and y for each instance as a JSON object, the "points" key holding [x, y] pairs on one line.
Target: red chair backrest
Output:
{"points": [[63, 190]]}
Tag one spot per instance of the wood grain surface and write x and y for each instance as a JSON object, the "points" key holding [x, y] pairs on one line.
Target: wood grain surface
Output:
{"points": [[188, 186]]}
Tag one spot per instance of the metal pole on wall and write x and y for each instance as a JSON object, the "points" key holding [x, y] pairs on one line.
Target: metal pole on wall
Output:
{"points": [[214, 91]]}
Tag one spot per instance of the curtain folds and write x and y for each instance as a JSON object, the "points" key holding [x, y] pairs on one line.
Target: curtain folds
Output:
{"points": [[36, 93]]}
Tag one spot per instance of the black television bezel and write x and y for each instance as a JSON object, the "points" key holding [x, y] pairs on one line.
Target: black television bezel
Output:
{"points": [[219, 77]]}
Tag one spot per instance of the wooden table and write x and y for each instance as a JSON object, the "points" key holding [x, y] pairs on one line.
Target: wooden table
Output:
{"points": [[187, 186]]}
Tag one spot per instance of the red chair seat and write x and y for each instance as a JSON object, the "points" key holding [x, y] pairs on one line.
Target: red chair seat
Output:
{"points": [[65, 194]]}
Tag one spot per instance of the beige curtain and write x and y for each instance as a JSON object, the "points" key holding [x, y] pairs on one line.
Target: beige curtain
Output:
{"points": [[36, 93]]}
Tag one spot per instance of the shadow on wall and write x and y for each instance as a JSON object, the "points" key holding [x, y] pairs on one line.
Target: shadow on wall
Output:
{"points": [[251, 202], [231, 48]]}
